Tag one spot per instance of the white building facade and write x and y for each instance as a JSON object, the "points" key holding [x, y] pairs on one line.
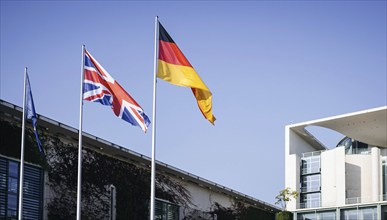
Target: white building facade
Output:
{"points": [[343, 182]]}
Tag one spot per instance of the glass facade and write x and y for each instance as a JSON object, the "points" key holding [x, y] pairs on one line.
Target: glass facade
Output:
{"points": [[310, 183], [359, 214], [384, 212], [9, 189], [310, 164], [310, 200], [310, 192], [166, 211], [12, 189], [384, 177], [353, 147], [323, 215]]}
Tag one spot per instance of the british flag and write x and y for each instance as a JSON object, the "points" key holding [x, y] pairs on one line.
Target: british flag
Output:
{"points": [[100, 86]]}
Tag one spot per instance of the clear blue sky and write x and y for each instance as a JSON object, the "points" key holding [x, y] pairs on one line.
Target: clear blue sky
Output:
{"points": [[267, 63]]}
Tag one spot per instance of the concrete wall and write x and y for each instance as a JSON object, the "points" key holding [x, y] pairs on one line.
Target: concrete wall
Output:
{"points": [[292, 178], [294, 144], [294, 147], [204, 199], [376, 173], [358, 177], [333, 177]]}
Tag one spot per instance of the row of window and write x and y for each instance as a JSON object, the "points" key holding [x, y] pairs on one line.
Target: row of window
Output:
{"points": [[368, 213], [166, 211], [352, 146], [310, 181], [33, 194], [9, 189], [310, 164]]}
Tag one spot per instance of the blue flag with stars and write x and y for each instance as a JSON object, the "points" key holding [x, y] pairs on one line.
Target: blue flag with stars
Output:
{"points": [[31, 114]]}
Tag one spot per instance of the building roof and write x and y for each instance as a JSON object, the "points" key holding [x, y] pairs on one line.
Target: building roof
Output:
{"points": [[119, 152], [368, 126]]}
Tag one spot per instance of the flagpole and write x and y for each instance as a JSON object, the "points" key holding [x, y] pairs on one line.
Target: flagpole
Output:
{"points": [[153, 165], [79, 201], [20, 212]]}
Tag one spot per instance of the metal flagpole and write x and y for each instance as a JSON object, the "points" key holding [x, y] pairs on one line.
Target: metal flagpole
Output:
{"points": [[153, 165], [79, 201], [20, 214]]}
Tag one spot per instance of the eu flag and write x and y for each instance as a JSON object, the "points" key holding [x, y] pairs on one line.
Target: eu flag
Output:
{"points": [[30, 112]]}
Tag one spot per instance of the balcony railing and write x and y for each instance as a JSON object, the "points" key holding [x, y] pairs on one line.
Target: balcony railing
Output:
{"points": [[312, 204], [348, 201], [310, 170], [310, 154], [356, 200], [310, 189]]}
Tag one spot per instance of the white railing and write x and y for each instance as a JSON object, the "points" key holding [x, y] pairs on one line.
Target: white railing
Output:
{"points": [[312, 204], [310, 170], [356, 200], [310, 189], [311, 154]]}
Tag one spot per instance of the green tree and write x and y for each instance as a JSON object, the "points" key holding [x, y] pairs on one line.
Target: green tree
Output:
{"points": [[283, 198]]}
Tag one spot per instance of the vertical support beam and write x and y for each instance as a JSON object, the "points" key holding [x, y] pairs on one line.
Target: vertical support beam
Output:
{"points": [[375, 173], [337, 213], [378, 211]]}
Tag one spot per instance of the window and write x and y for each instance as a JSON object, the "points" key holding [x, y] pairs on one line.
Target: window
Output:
{"points": [[384, 212], [9, 190], [310, 164], [384, 177], [12, 189], [166, 211], [3, 188], [310, 183], [325, 215], [329, 215], [310, 180], [359, 214], [310, 200], [353, 147], [306, 216]]}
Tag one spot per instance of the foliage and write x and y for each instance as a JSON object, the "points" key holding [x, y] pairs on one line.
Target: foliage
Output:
{"points": [[240, 211], [98, 172], [10, 143], [284, 215], [285, 196]]}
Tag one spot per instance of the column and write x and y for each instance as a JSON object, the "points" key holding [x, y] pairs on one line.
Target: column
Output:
{"points": [[375, 173]]}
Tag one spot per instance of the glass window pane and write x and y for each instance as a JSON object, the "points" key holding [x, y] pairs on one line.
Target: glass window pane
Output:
{"points": [[328, 215], [310, 200], [166, 211], [306, 216], [33, 189], [12, 204], [350, 214], [310, 183], [368, 213], [12, 185], [13, 169]]}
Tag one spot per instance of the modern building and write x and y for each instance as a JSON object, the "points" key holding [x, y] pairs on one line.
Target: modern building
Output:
{"points": [[342, 182], [115, 180]]}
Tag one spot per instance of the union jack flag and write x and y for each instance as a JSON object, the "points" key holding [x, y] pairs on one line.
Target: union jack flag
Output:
{"points": [[100, 86]]}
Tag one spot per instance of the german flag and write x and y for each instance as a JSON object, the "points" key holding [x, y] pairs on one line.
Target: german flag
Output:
{"points": [[174, 68]]}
